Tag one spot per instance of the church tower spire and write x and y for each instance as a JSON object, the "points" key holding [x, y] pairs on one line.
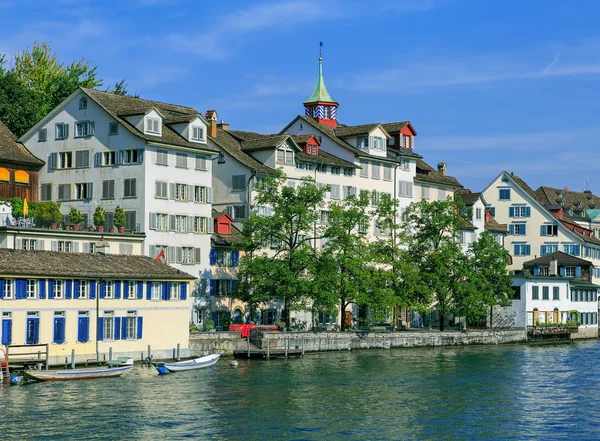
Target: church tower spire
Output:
{"points": [[320, 106]]}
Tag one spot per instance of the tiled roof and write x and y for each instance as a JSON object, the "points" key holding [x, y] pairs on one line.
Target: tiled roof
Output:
{"points": [[330, 133], [85, 265], [493, 225], [562, 258], [395, 126], [246, 136], [264, 142], [342, 130], [465, 224], [568, 199], [469, 198], [301, 139], [231, 145], [424, 166], [324, 158], [13, 151], [235, 238], [119, 106], [521, 183], [427, 174]]}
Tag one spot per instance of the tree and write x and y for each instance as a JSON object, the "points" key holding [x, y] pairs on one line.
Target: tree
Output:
{"points": [[284, 273], [120, 88], [345, 273], [37, 83]]}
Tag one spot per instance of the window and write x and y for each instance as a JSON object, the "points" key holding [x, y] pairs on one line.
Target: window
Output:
{"points": [[113, 128], [548, 249], [441, 194], [153, 126], [42, 135], [322, 168], [82, 158], [58, 289], [424, 192], [405, 189], [83, 191], [201, 163], [65, 246], [83, 103], [108, 189], [9, 289], [65, 160], [155, 291], [32, 328], [180, 192], [84, 129], [45, 192], [200, 224], [519, 211], [522, 249], [517, 229], [162, 190], [549, 230], [181, 160], [4, 174], [543, 271], [570, 271], [131, 221], [83, 289], [175, 290], [131, 287], [535, 292], [238, 182], [31, 288], [110, 289], [363, 143], [335, 191], [179, 223], [187, 257], [285, 156], [364, 168], [62, 131], [348, 171], [197, 133], [378, 143], [545, 293], [224, 287], [29, 244], [161, 221], [131, 156], [239, 211], [108, 158], [478, 213], [555, 293], [335, 170], [363, 226], [92, 247], [324, 216], [162, 157], [572, 249], [349, 190], [387, 172], [504, 194], [129, 188], [404, 166], [109, 325], [376, 170], [202, 194]]}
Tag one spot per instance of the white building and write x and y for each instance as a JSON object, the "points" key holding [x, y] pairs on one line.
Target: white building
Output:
{"points": [[149, 158]]}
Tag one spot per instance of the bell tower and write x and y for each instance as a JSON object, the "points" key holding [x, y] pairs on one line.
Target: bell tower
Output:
{"points": [[320, 106]]}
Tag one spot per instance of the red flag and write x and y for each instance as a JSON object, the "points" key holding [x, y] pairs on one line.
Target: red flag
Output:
{"points": [[161, 257], [566, 188]]}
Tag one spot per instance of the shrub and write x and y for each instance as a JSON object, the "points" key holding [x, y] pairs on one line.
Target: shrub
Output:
{"points": [[120, 219], [75, 216], [209, 326], [99, 216]]}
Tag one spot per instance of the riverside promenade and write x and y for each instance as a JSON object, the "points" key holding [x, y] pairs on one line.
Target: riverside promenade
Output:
{"points": [[297, 343]]}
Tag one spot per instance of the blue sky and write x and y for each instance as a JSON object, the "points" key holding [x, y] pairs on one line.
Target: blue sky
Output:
{"points": [[489, 86]]}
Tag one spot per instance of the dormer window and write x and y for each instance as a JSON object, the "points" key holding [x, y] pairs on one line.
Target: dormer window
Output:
{"points": [[83, 103], [363, 143], [285, 156], [378, 143], [311, 149], [197, 133], [153, 126]]}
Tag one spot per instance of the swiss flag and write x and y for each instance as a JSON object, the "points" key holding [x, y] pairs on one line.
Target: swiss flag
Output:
{"points": [[161, 257]]}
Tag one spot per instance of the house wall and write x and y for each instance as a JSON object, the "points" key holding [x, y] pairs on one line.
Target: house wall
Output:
{"points": [[10, 189], [222, 182]]}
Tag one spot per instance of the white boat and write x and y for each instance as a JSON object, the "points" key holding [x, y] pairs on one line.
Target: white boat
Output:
{"points": [[188, 365], [80, 374]]}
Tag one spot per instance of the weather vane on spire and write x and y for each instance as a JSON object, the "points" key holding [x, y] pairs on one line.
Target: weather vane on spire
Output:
{"points": [[320, 50]]}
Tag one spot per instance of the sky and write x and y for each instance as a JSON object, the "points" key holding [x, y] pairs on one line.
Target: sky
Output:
{"points": [[488, 85]]}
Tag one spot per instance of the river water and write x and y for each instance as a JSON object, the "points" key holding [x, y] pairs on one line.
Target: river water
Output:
{"points": [[468, 393]]}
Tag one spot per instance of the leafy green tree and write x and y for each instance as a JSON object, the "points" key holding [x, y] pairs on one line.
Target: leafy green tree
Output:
{"points": [[344, 272], [37, 83], [284, 273], [120, 88]]}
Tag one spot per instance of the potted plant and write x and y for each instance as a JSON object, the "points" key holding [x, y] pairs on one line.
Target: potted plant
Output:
{"points": [[209, 326], [76, 218], [99, 218], [281, 325], [120, 219]]}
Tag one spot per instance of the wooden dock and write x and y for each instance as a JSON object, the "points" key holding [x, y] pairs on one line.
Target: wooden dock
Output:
{"points": [[270, 349]]}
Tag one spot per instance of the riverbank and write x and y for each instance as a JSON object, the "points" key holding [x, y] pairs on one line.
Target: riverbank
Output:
{"points": [[228, 342]]}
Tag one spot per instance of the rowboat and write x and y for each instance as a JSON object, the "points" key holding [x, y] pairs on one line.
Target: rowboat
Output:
{"points": [[80, 374], [188, 365]]}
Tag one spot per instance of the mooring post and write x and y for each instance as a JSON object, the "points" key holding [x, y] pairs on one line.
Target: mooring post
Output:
{"points": [[287, 345], [178, 349], [72, 358], [173, 357], [149, 352], [110, 353], [47, 354], [268, 348], [303, 346], [248, 340]]}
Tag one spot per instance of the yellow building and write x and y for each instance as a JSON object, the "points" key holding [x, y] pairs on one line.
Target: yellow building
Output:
{"points": [[93, 303]]}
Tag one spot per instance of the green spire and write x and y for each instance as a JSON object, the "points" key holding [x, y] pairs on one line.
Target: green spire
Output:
{"points": [[320, 94]]}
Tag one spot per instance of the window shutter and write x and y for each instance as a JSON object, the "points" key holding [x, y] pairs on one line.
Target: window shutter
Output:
{"points": [[100, 328], [172, 253], [236, 257], [140, 155], [153, 221], [563, 271], [179, 255], [543, 250], [86, 247], [527, 250], [527, 211], [213, 256], [75, 247], [140, 290], [511, 211], [172, 222], [102, 289], [209, 195], [148, 290], [42, 288], [90, 190], [190, 224], [165, 290], [97, 159], [211, 225], [536, 271], [52, 161], [140, 324], [197, 255], [76, 289], [511, 230], [183, 290], [213, 287], [92, 288], [119, 157], [577, 271], [117, 328], [81, 330], [152, 251], [190, 193], [524, 228], [123, 328], [117, 289], [6, 331], [68, 284], [18, 243], [172, 190], [234, 285], [54, 245]]}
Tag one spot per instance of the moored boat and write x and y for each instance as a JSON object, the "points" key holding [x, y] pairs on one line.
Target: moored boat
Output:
{"points": [[188, 365], [80, 374]]}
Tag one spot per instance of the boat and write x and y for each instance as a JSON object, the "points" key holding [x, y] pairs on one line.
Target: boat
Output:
{"points": [[80, 374], [187, 365]]}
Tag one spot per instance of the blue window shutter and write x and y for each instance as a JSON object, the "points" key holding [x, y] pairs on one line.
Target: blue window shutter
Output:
{"points": [[527, 250], [68, 289], [36, 331], [125, 289], [42, 288], [124, 328], [92, 286], [102, 289], [214, 318], [511, 211], [527, 211], [577, 271], [81, 330], [578, 250], [117, 286], [543, 250], [213, 287], [165, 290], [234, 285], [183, 292], [6, 331], [51, 288], [562, 271], [213, 256], [524, 229], [140, 324], [511, 229], [536, 271], [149, 291], [34, 324], [117, 328], [2, 288], [100, 328], [119, 157], [76, 289], [140, 290], [236, 257], [542, 230], [59, 333], [21, 289]]}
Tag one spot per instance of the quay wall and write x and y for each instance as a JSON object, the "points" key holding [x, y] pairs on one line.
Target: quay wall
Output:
{"points": [[227, 342]]}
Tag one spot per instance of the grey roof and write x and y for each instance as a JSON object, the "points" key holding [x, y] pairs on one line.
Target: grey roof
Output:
{"points": [[226, 240], [469, 198], [562, 258], [232, 146], [264, 142], [577, 200], [343, 130], [85, 265], [396, 126], [427, 174], [119, 106], [324, 158], [493, 225], [13, 151]]}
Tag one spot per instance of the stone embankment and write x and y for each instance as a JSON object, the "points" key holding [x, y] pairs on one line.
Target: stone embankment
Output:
{"points": [[227, 342]]}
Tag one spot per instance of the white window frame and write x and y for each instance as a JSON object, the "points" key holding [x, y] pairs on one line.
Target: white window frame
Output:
{"points": [[110, 289], [83, 129], [155, 291], [9, 289], [31, 289], [109, 325], [131, 286], [83, 289], [175, 287]]}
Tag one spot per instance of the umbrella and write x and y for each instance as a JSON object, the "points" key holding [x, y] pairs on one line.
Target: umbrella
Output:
{"points": [[25, 207]]}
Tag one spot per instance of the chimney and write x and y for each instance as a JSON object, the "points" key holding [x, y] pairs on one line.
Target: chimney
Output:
{"points": [[223, 125], [103, 247], [488, 215], [211, 117], [554, 267], [588, 192], [442, 168]]}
